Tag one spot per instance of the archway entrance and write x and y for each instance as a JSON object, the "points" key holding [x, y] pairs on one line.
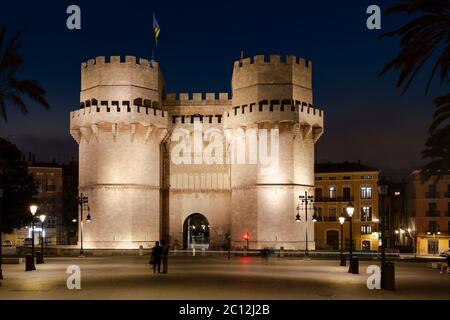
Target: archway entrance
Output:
{"points": [[196, 232]]}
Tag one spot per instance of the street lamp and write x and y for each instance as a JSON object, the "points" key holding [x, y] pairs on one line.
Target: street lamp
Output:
{"points": [[41, 257], [33, 210], [353, 267], [341, 221], [81, 201], [305, 199]]}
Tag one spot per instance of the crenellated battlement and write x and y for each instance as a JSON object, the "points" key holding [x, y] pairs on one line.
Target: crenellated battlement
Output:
{"points": [[120, 78], [259, 78], [284, 110], [113, 112], [196, 98], [131, 61], [273, 59]]}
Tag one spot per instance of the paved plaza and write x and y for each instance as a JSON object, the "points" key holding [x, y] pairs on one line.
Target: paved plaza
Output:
{"points": [[130, 277]]}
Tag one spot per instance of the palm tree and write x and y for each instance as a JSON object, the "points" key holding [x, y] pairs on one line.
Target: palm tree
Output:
{"points": [[11, 88], [426, 39]]}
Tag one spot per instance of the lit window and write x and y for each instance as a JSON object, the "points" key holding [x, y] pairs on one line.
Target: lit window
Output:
{"points": [[366, 229], [366, 192], [366, 213], [332, 192]]}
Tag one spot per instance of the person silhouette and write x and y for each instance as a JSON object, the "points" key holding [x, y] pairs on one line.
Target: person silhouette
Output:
{"points": [[156, 257]]}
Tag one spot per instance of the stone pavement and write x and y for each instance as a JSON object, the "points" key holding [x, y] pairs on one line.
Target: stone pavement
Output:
{"points": [[129, 277]]}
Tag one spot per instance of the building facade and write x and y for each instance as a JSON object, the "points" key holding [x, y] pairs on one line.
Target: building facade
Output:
{"points": [[49, 184], [337, 184], [184, 167], [428, 206]]}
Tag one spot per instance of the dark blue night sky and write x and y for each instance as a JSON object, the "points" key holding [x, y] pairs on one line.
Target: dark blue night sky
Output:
{"points": [[367, 119]]}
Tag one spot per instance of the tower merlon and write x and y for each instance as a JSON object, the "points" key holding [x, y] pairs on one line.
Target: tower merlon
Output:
{"points": [[273, 59], [196, 98]]}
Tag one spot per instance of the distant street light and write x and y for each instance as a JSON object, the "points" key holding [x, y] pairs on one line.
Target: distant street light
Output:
{"points": [[33, 210], [353, 267], [81, 201], [41, 257], [342, 257], [305, 199]]}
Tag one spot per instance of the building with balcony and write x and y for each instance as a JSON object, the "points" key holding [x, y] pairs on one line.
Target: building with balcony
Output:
{"points": [[337, 184], [428, 207]]}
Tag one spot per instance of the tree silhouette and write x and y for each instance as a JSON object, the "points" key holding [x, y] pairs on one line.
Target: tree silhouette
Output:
{"points": [[426, 39], [11, 88]]}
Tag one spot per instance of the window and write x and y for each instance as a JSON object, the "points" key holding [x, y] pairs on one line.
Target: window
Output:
{"points": [[432, 188], [346, 193], [332, 192], [318, 178], [432, 212], [319, 213], [366, 177], [366, 192], [432, 227], [332, 213], [318, 194], [331, 178], [366, 213], [346, 178], [433, 246], [366, 229]]}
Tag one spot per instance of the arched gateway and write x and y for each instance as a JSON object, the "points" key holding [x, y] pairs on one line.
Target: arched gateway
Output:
{"points": [[196, 232]]}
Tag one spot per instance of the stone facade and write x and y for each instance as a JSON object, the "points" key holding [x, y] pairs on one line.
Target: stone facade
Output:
{"points": [[128, 133]]}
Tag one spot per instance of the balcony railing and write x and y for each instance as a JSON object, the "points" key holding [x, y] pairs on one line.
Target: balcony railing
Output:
{"points": [[327, 219], [432, 213], [334, 199], [432, 195]]}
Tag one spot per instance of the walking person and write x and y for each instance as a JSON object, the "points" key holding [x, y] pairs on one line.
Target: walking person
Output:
{"points": [[165, 255], [446, 264], [156, 257]]}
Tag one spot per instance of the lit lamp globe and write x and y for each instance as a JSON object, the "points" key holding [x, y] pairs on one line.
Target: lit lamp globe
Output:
{"points": [[350, 209], [33, 209], [341, 219], [42, 217]]}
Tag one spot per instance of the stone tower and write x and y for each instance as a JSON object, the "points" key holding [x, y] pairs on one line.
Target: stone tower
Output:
{"points": [[119, 128], [273, 96]]}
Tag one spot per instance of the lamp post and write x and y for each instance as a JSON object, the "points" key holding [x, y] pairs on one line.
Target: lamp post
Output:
{"points": [[353, 267], [41, 257], [342, 257], [412, 236], [81, 201], [33, 210], [305, 199]]}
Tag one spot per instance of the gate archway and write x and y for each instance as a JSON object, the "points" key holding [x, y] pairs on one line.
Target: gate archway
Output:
{"points": [[196, 232]]}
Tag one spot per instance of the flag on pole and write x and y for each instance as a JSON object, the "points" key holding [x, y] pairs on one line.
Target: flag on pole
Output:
{"points": [[156, 28]]}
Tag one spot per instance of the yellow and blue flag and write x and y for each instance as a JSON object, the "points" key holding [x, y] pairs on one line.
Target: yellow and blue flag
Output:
{"points": [[156, 28]]}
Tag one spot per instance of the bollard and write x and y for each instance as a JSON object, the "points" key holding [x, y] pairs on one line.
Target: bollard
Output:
{"points": [[29, 263], [281, 252], [343, 260], [141, 250], [203, 252], [388, 276], [39, 258], [354, 262]]}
